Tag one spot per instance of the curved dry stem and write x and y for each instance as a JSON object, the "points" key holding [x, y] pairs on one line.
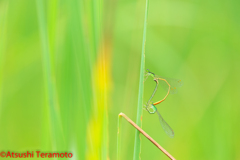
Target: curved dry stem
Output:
{"points": [[146, 135]]}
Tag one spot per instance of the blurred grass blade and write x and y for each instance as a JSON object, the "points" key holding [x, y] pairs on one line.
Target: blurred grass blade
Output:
{"points": [[119, 136], [3, 19], [81, 54], [55, 125], [137, 145]]}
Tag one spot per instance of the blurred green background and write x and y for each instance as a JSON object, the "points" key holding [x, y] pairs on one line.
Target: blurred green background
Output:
{"points": [[68, 68]]}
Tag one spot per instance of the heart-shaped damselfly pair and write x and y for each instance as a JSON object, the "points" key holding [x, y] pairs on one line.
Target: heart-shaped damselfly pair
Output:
{"points": [[171, 86]]}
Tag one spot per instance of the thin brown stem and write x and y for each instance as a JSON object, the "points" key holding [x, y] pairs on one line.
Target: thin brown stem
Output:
{"points": [[147, 136]]}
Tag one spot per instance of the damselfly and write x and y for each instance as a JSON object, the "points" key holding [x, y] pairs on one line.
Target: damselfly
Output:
{"points": [[171, 86]]}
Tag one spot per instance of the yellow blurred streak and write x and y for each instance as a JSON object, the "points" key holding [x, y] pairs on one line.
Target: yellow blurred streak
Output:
{"points": [[93, 136], [102, 69], [98, 124]]}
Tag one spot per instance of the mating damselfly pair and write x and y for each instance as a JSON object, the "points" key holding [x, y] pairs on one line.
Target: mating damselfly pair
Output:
{"points": [[171, 86]]}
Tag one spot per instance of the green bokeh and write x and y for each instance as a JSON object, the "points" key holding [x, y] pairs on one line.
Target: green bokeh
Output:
{"points": [[196, 41]]}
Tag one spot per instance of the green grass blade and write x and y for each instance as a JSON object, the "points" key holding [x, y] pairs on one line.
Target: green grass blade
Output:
{"points": [[3, 24], [55, 123], [119, 136], [137, 145]]}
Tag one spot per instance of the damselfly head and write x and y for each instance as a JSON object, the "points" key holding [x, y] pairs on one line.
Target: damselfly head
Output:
{"points": [[150, 108], [148, 73]]}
